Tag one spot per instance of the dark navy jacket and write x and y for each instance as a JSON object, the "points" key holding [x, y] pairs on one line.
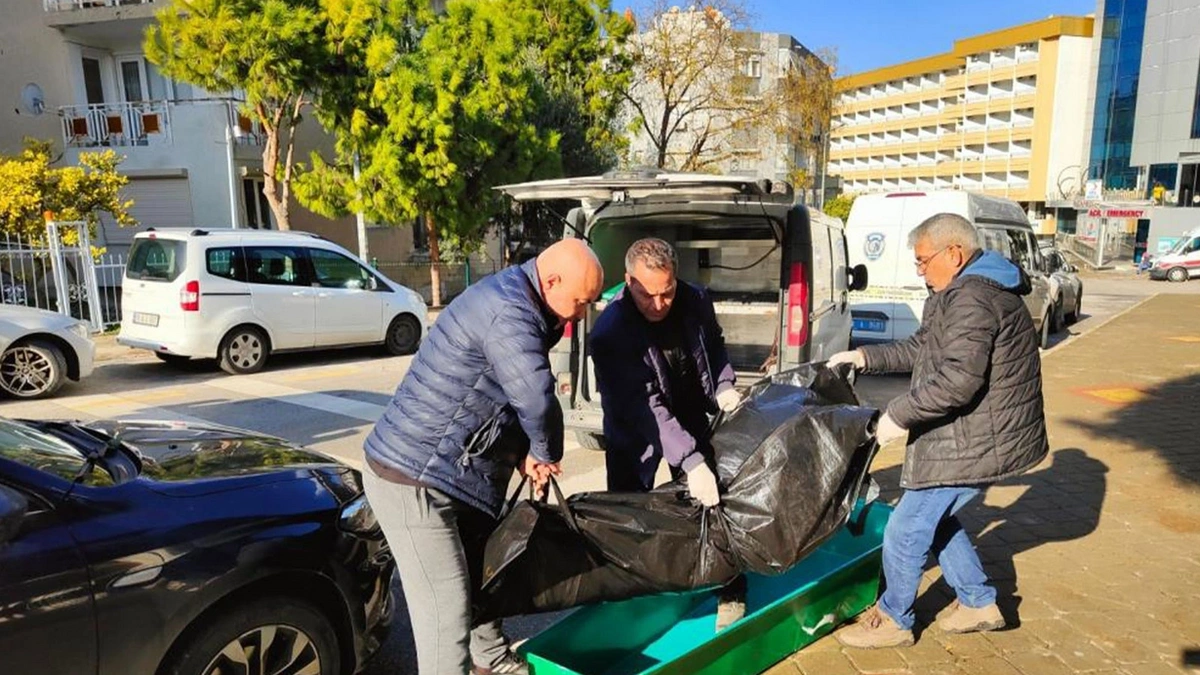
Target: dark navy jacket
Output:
{"points": [[481, 374], [631, 374]]}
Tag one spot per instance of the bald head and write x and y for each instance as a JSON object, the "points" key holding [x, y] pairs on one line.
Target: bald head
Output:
{"points": [[571, 278]]}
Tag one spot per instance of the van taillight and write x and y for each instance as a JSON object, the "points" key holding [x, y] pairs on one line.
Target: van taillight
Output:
{"points": [[569, 330], [189, 297], [797, 306]]}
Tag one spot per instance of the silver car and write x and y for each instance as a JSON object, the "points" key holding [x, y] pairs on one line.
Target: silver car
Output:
{"points": [[40, 350], [1069, 297]]}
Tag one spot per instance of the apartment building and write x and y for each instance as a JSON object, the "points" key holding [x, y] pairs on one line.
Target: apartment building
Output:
{"points": [[754, 151], [75, 73], [1000, 114]]}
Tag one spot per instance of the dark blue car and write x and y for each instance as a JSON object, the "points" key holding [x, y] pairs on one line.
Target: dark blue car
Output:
{"points": [[160, 548]]}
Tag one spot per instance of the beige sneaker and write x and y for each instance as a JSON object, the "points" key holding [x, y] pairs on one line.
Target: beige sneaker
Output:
{"points": [[729, 612], [873, 630], [963, 619]]}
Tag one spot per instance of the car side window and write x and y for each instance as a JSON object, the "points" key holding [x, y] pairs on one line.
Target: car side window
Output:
{"points": [[1193, 246], [275, 265], [334, 270], [840, 270], [1018, 242], [997, 242], [227, 262], [822, 262]]}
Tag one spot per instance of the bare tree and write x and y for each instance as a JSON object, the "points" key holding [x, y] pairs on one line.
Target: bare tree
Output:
{"points": [[689, 91], [706, 90], [806, 101]]}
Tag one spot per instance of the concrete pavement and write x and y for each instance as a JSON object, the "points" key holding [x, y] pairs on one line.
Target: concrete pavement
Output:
{"points": [[1096, 552]]}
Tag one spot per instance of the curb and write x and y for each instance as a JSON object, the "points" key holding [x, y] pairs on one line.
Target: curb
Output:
{"points": [[1082, 334]]}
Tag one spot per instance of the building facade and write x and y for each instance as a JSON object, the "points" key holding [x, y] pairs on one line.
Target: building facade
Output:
{"points": [[80, 79], [1142, 159], [753, 150], [999, 114]]}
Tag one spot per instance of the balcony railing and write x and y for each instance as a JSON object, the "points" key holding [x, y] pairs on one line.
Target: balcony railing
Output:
{"points": [[151, 123], [116, 124], [72, 5]]}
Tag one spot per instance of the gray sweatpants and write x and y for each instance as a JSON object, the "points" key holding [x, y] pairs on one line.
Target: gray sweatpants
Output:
{"points": [[438, 544]]}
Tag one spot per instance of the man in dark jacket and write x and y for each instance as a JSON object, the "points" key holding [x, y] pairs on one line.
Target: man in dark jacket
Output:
{"points": [[477, 402], [973, 416], [662, 369]]}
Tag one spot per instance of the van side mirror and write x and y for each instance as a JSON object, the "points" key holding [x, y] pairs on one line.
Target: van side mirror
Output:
{"points": [[858, 278], [13, 507]]}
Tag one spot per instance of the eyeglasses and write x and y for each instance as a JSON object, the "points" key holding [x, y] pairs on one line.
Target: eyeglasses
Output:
{"points": [[923, 263]]}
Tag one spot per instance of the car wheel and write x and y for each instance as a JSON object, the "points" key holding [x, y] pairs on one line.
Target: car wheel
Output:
{"points": [[273, 636], [172, 359], [1047, 324], [403, 335], [34, 369], [243, 351], [589, 441], [1177, 274]]}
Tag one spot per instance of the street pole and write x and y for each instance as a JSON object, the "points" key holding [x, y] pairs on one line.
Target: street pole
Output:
{"points": [[360, 220], [229, 136]]}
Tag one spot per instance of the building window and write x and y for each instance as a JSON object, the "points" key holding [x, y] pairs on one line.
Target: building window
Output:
{"points": [[754, 66]]}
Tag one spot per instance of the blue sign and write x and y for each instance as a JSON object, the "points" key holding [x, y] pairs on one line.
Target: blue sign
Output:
{"points": [[874, 245]]}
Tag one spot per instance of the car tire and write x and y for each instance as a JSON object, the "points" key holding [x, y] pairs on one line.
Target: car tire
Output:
{"points": [[33, 369], [590, 441], [288, 632], [1073, 317], [172, 359], [1046, 332], [1177, 275], [403, 335], [244, 351]]}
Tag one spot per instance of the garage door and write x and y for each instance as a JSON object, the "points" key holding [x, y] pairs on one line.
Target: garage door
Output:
{"points": [[157, 203]]}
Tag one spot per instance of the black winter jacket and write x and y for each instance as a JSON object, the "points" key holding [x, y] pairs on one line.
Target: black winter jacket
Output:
{"points": [[975, 413]]}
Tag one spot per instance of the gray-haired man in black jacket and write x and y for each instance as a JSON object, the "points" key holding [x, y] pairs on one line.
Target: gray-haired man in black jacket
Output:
{"points": [[974, 416]]}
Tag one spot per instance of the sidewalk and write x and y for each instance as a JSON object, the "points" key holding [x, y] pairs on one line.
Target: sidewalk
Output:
{"points": [[1096, 552]]}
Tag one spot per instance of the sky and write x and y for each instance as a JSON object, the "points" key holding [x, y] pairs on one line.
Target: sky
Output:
{"points": [[869, 34]]}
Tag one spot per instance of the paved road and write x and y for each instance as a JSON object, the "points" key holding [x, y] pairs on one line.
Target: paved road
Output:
{"points": [[329, 400]]}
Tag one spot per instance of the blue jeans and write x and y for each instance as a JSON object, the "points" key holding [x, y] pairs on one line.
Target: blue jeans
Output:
{"points": [[924, 521]]}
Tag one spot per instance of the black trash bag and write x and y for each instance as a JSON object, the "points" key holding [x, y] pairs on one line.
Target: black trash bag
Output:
{"points": [[793, 459]]}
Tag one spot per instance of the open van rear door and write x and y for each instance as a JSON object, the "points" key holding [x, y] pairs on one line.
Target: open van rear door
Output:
{"points": [[638, 185]]}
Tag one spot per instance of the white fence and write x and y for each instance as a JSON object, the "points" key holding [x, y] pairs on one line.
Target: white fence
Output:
{"points": [[59, 274], [69, 5]]}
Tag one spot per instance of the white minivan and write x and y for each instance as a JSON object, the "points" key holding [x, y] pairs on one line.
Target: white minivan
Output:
{"points": [[877, 234], [1182, 262], [241, 295]]}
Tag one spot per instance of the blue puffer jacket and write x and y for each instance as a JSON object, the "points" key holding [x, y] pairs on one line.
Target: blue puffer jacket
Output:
{"points": [[481, 376]]}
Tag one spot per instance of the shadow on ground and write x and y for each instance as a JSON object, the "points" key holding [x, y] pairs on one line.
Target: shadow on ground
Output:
{"points": [[1163, 421], [1062, 502]]}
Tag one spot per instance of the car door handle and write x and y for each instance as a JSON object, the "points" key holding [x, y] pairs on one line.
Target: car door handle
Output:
{"points": [[324, 295], [301, 294]]}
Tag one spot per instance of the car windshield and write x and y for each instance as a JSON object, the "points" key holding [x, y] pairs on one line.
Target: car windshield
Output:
{"points": [[25, 445]]}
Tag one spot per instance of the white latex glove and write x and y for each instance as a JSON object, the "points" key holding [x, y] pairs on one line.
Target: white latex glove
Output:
{"points": [[854, 357], [888, 431], [702, 485], [729, 400]]}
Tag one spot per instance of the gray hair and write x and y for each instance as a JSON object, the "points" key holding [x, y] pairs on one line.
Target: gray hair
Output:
{"points": [[655, 254], [946, 229]]}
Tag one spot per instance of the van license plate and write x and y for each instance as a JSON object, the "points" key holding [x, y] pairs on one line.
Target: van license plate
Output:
{"points": [[870, 325], [145, 319]]}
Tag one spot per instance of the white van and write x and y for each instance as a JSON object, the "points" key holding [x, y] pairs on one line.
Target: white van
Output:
{"points": [[1182, 262], [240, 295], [777, 272], [877, 233]]}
